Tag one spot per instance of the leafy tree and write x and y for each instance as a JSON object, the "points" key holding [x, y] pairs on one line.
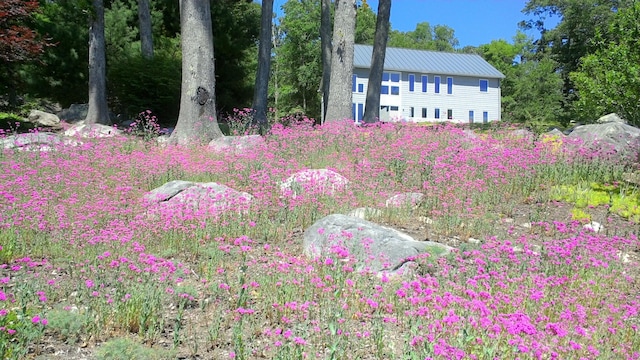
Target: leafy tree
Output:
{"points": [[19, 42], [365, 24], [573, 36], [532, 89], [340, 94], [197, 121], [236, 32], [63, 73], [609, 79], [298, 58], [425, 37], [372, 108]]}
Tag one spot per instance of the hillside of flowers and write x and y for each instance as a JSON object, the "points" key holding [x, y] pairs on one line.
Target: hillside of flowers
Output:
{"points": [[88, 270]]}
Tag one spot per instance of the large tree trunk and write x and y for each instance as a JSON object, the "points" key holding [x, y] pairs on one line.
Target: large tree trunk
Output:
{"points": [[372, 107], [340, 94], [261, 90], [197, 121], [146, 31], [98, 112], [325, 41]]}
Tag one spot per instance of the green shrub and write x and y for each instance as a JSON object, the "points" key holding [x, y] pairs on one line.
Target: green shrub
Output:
{"points": [[127, 349], [140, 84]]}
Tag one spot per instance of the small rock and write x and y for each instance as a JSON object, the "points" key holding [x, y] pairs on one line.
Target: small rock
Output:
{"points": [[473, 240], [593, 226]]}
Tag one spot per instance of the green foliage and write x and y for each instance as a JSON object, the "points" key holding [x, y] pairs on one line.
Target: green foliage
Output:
{"points": [[137, 84], [532, 89], [69, 326], [365, 24], [62, 74], [127, 349], [622, 201], [573, 37], [609, 79], [19, 327], [425, 37], [236, 27]]}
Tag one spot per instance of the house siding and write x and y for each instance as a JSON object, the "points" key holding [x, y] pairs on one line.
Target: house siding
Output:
{"points": [[466, 96]]}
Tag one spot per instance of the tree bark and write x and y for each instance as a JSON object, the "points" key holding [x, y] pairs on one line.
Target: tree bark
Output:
{"points": [[98, 111], [197, 121], [372, 107], [325, 41], [340, 94], [261, 90], [146, 31]]}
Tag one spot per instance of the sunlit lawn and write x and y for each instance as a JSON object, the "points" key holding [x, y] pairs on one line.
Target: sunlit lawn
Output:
{"points": [[86, 262]]}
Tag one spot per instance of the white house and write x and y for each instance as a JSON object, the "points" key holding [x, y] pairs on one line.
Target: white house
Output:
{"points": [[419, 85]]}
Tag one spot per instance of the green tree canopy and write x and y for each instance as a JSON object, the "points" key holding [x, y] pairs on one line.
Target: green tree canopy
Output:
{"points": [[609, 79]]}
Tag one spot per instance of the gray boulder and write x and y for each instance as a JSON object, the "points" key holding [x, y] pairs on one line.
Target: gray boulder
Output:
{"points": [[43, 118], [81, 129], [410, 199], [374, 247], [236, 143], [613, 117], [38, 141], [323, 181], [75, 113], [199, 197], [608, 138]]}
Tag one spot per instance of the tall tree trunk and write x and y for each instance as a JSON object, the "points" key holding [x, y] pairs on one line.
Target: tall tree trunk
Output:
{"points": [[146, 31], [261, 90], [372, 107], [340, 94], [197, 121], [98, 111], [325, 41]]}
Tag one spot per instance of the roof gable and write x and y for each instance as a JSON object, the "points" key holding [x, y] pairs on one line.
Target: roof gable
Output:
{"points": [[430, 62]]}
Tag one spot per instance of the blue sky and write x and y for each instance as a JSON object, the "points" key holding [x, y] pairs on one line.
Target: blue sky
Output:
{"points": [[475, 22]]}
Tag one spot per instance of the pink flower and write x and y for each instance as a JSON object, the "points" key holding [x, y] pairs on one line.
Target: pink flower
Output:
{"points": [[35, 319], [89, 283]]}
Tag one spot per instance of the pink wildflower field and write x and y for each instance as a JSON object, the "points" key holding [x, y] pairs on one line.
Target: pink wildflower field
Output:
{"points": [[89, 270]]}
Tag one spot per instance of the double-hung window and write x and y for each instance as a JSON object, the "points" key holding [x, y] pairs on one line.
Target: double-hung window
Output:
{"points": [[412, 82], [449, 85], [484, 85], [425, 81], [436, 82]]}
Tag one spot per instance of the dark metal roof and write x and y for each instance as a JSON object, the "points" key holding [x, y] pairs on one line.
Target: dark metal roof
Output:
{"points": [[430, 62]]}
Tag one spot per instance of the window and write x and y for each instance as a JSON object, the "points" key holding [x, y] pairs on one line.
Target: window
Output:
{"points": [[484, 85], [412, 82], [384, 89], [437, 113], [424, 113], [360, 111], [385, 76], [395, 77], [449, 85], [353, 111], [393, 108], [450, 114], [485, 117], [360, 88], [436, 82], [353, 83], [395, 90], [411, 112], [425, 81], [471, 116]]}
